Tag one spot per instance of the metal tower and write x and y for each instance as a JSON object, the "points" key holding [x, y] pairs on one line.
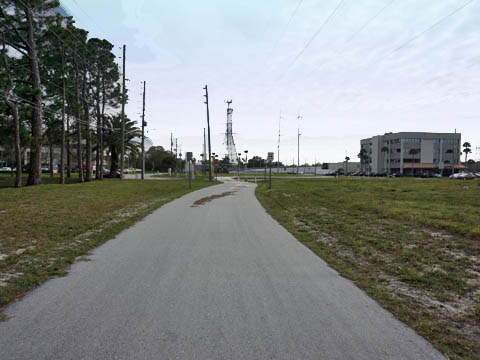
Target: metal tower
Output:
{"points": [[231, 151]]}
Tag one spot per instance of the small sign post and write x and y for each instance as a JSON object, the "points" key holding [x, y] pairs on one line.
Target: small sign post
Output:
{"points": [[189, 160], [270, 159]]}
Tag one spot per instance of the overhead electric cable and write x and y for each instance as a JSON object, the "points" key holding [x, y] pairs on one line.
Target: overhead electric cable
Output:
{"points": [[314, 36]]}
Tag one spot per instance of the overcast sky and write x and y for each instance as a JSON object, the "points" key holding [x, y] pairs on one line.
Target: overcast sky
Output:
{"points": [[351, 69]]}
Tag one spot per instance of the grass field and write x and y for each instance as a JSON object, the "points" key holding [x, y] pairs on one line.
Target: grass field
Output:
{"points": [[7, 180], [46, 228], [412, 244]]}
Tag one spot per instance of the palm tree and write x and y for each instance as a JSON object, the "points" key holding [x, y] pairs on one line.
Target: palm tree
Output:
{"points": [[347, 159], [385, 150], [362, 155], [113, 139], [413, 152], [467, 149]]}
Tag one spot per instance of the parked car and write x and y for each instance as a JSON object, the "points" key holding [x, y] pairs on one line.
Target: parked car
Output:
{"points": [[45, 169], [463, 176], [5, 169]]}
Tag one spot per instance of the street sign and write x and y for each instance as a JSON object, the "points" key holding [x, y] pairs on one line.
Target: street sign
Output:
{"points": [[189, 156], [270, 157]]}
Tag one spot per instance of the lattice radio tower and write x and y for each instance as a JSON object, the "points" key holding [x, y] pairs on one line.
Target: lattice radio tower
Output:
{"points": [[231, 151]]}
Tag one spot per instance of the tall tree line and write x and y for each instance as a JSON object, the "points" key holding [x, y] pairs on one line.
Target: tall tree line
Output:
{"points": [[59, 88]]}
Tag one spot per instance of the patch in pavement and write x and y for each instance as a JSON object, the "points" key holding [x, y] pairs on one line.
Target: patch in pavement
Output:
{"points": [[207, 199]]}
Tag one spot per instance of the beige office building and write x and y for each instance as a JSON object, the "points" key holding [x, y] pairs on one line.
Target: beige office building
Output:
{"points": [[412, 153]]}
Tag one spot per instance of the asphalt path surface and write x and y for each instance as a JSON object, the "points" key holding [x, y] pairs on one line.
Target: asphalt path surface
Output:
{"points": [[220, 280]]}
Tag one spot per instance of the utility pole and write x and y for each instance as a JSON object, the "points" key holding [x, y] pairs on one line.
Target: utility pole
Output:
{"points": [[298, 150], [176, 154], [209, 143], [123, 116], [204, 157], [298, 145], [143, 132], [171, 143], [278, 146]]}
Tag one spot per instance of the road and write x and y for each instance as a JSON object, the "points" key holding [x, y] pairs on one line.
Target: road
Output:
{"points": [[219, 280]]}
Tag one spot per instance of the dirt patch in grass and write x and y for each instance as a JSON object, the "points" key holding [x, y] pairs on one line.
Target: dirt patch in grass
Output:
{"points": [[207, 199], [409, 244]]}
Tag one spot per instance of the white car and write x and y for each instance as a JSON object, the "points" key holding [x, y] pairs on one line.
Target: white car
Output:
{"points": [[463, 175], [5, 169]]}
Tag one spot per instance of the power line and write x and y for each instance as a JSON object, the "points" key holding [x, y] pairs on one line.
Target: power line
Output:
{"points": [[287, 25], [91, 19], [363, 27], [327, 20], [83, 122], [410, 40], [369, 21], [432, 26], [413, 38], [50, 82]]}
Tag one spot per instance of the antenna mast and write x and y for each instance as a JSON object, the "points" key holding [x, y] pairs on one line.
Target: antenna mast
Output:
{"points": [[231, 151]]}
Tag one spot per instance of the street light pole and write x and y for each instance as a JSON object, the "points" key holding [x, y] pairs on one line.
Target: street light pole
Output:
{"points": [[298, 145], [298, 150], [278, 146]]}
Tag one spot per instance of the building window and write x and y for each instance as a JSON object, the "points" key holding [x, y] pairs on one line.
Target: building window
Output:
{"points": [[450, 141]]}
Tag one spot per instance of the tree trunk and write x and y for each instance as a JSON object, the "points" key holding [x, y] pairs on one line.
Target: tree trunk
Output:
{"points": [[62, 140], [99, 172], [114, 159], [16, 120], [86, 112], [102, 119], [34, 176], [79, 126], [69, 155], [88, 154], [50, 150]]}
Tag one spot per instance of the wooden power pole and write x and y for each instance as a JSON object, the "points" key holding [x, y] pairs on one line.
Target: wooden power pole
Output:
{"points": [[209, 143], [143, 131]]}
